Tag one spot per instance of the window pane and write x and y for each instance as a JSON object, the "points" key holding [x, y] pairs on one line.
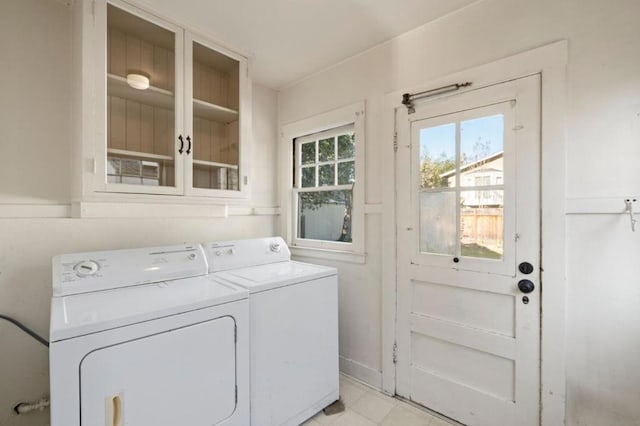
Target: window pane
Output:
{"points": [[327, 175], [482, 224], [308, 153], [346, 173], [438, 222], [481, 148], [437, 156], [326, 149], [308, 177], [346, 146], [325, 215]]}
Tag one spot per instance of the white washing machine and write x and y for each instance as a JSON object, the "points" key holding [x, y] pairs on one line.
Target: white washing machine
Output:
{"points": [[294, 327], [143, 337]]}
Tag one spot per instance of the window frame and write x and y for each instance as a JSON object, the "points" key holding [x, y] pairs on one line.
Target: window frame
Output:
{"points": [[313, 128]]}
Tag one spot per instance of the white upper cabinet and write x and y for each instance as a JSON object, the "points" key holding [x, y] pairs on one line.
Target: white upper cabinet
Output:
{"points": [[160, 109]]}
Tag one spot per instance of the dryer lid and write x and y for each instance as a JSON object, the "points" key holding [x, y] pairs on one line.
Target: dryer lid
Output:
{"points": [[80, 314], [275, 275], [101, 270]]}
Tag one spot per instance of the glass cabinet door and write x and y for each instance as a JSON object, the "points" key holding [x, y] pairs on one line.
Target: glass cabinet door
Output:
{"points": [[215, 104], [143, 110]]}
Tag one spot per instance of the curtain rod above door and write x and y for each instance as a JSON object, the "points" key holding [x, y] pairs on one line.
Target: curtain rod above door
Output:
{"points": [[408, 98]]}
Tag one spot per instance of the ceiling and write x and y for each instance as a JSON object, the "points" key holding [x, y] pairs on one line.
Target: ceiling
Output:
{"points": [[288, 40]]}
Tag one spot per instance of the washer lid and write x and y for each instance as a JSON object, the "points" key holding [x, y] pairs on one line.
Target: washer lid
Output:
{"points": [[81, 314], [274, 275], [228, 255]]}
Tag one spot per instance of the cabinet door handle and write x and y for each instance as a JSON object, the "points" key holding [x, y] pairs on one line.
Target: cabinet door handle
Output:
{"points": [[189, 147], [181, 150]]}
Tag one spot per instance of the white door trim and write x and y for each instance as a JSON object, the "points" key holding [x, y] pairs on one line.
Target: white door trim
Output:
{"points": [[550, 61]]}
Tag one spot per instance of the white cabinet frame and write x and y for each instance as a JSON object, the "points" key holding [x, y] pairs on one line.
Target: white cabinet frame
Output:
{"points": [[90, 113]]}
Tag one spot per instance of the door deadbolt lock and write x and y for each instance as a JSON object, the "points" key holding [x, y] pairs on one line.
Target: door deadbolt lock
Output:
{"points": [[526, 286], [526, 268]]}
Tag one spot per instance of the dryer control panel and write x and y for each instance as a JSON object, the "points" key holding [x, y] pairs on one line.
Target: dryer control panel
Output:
{"points": [[102, 270], [225, 255]]}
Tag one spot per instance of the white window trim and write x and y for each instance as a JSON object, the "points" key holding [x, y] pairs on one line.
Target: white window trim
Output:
{"points": [[340, 117]]}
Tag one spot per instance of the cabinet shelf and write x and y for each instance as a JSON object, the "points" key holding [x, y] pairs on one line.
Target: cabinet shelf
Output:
{"points": [[154, 96], [214, 164], [136, 154], [213, 112]]}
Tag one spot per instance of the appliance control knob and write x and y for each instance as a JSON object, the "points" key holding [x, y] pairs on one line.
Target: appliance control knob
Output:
{"points": [[275, 247], [231, 251], [86, 268], [192, 256], [218, 252]]}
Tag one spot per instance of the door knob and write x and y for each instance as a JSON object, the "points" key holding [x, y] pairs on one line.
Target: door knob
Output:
{"points": [[526, 286]]}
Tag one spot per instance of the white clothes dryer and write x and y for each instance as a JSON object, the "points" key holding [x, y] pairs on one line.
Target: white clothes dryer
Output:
{"points": [[294, 327], [143, 337]]}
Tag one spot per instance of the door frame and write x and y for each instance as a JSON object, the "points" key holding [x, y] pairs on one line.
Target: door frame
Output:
{"points": [[550, 61]]}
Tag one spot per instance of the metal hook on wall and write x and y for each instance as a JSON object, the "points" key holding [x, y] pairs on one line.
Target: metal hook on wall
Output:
{"points": [[629, 202]]}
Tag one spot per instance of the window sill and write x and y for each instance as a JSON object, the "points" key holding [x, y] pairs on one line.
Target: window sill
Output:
{"points": [[334, 255]]}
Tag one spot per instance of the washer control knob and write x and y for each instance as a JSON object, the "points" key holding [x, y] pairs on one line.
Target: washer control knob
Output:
{"points": [[218, 252], [275, 247], [86, 268], [192, 256], [231, 251]]}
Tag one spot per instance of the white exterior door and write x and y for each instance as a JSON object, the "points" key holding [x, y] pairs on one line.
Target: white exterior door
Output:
{"points": [[468, 254]]}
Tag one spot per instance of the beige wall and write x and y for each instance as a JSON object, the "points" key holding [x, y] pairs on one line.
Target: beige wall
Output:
{"points": [[35, 161], [603, 147]]}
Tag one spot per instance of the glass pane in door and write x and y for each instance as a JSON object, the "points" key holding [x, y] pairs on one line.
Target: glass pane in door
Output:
{"points": [[140, 101], [437, 156], [215, 119], [438, 222], [481, 149], [482, 224]]}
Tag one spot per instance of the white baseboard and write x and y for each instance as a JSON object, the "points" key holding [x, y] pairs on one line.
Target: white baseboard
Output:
{"points": [[368, 375]]}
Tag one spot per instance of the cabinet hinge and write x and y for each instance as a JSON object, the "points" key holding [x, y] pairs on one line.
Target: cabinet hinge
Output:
{"points": [[395, 353], [395, 141]]}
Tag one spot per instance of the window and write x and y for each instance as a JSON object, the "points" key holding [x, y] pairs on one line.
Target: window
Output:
{"points": [[324, 187], [325, 174]]}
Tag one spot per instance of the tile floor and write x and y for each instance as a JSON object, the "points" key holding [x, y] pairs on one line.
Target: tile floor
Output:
{"points": [[367, 407]]}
